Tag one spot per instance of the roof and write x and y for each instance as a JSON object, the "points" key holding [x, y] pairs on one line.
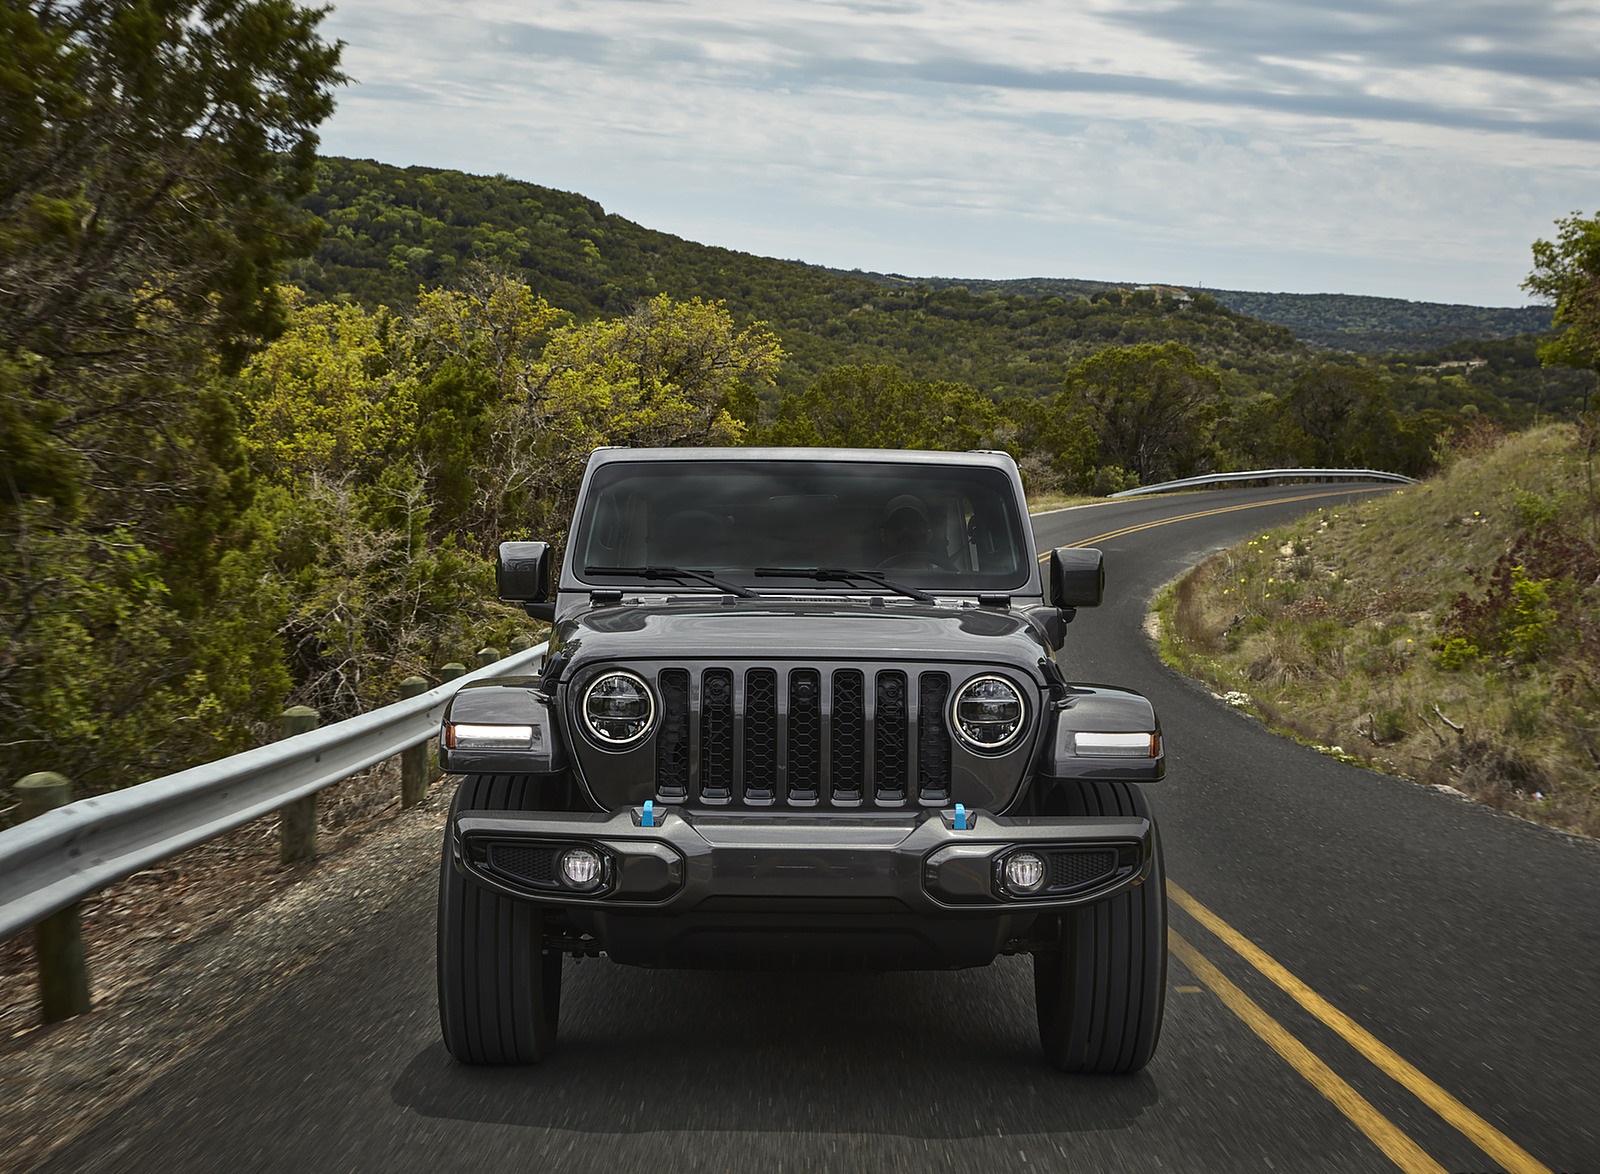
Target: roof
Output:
{"points": [[997, 460]]}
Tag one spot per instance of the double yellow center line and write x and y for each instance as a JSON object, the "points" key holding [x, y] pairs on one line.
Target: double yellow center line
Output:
{"points": [[1226, 509], [1404, 1152]]}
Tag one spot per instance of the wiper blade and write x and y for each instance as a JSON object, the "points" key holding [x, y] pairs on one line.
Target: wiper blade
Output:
{"points": [[673, 573], [842, 575]]}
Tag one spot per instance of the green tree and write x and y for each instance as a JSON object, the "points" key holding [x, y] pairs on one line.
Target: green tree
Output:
{"points": [[151, 153], [1344, 414], [1566, 274], [1151, 406], [876, 406]]}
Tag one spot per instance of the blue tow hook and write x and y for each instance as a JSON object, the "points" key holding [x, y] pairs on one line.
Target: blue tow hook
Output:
{"points": [[647, 818], [961, 817]]}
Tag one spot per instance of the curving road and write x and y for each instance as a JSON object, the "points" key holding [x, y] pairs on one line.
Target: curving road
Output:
{"points": [[1368, 975]]}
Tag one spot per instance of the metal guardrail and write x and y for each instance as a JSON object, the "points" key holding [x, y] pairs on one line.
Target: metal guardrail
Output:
{"points": [[1270, 474], [55, 859]]}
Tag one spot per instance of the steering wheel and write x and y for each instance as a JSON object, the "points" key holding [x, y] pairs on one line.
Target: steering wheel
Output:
{"points": [[915, 560]]}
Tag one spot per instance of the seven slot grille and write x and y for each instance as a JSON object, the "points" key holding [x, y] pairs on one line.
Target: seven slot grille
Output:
{"points": [[803, 736]]}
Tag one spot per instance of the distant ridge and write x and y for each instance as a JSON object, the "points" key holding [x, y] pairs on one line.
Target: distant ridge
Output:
{"points": [[1344, 322]]}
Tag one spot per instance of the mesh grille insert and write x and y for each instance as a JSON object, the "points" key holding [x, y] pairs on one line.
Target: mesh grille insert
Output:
{"points": [[672, 745], [805, 735], [933, 739], [716, 735], [848, 762], [534, 865], [760, 735], [891, 750], [1072, 870]]}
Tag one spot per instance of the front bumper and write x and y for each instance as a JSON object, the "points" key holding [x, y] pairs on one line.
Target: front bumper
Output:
{"points": [[919, 863]]}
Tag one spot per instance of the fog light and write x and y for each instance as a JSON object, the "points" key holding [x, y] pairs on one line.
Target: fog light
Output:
{"points": [[581, 868], [1024, 873]]}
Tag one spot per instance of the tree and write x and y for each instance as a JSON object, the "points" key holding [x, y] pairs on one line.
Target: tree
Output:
{"points": [[1151, 406], [150, 155], [1566, 274], [149, 161], [876, 406], [669, 373], [1345, 416]]}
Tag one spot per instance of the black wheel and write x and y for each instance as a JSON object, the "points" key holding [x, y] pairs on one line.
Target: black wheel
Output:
{"points": [[1102, 992], [499, 991]]}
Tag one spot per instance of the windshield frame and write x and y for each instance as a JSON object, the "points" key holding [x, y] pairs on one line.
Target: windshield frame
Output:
{"points": [[974, 503]]}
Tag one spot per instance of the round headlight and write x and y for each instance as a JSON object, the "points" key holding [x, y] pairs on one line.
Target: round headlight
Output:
{"points": [[988, 713], [1024, 873], [618, 708]]}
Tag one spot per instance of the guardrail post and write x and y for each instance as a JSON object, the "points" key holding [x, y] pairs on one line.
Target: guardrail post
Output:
{"points": [[413, 759], [58, 939], [297, 821], [452, 671], [487, 656]]}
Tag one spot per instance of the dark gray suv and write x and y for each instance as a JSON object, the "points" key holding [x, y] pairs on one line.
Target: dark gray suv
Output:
{"points": [[800, 708]]}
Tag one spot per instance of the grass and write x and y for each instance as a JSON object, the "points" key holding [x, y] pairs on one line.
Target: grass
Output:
{"points": [[1448, 633], [1045, 502]]}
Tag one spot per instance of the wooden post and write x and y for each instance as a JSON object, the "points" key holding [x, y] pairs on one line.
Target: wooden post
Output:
{"points": [[58, 939], [297, 820], [413, 759], [487, 656], [452, 671]]}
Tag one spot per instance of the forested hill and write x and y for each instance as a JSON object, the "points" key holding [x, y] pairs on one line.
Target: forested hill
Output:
{"points": [[1339, 322], [391, 230], [1384, 325]]}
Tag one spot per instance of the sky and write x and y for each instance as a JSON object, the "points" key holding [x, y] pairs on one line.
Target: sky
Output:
{"points": [[1398, 148]]}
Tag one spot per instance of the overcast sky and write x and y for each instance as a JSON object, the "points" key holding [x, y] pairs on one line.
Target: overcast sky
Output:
{"points": [[1405, 148]]}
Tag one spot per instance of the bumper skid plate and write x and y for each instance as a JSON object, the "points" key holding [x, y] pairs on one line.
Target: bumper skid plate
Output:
{"points": [[679, 860]]}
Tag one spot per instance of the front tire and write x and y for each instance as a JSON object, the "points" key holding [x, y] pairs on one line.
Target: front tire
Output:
{"points": [[1101, 992], [499, 990]]}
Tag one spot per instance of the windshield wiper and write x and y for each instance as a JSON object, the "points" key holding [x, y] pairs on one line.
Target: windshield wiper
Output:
{"points": [[673, 573], [842, 575]]}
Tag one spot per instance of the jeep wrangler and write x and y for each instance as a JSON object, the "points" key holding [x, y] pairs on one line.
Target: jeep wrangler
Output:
{"points": [[801, 708]]}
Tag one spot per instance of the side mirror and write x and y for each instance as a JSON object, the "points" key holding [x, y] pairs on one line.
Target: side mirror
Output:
{"points": [[523, 572], [1077, 577]]}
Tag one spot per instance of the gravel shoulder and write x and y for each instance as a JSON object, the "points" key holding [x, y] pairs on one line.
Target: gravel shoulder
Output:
{"points": [[177, 952]]}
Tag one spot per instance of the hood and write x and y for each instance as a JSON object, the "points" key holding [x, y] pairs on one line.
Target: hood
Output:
{"points": [[820, 629]]}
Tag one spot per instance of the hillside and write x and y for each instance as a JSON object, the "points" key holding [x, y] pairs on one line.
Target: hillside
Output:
{"points": [[1338, 322], [1449, 632], [392, 229]]}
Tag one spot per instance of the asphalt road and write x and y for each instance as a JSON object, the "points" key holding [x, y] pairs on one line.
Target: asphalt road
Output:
{"points": [[1373, 975]]}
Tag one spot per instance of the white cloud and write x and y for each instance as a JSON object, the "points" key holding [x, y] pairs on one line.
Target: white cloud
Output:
{"points": [[1380, 147]]}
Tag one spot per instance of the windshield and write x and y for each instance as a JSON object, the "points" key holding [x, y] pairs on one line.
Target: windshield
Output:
{"points": [[949, 528]]}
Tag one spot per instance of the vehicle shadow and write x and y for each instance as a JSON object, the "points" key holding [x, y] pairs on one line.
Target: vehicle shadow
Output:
{"points": [[936, 1056]]}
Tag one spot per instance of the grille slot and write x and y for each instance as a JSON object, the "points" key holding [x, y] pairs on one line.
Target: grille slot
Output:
{"points": [[849, 758], [716, 736], [760, 735], [933, 739], [672, 744], [890, 745], [803, 735]]}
